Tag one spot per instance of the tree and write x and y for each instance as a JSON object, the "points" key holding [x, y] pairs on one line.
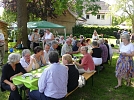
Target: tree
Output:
{"points": [[126, 8], [44, 9]]}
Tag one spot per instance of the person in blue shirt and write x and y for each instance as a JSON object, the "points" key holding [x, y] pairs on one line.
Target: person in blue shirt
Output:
{"points": [[52, 84]]}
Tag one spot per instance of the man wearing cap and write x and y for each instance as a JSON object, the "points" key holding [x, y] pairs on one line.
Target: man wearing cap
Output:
{"points": [[2, 48]]}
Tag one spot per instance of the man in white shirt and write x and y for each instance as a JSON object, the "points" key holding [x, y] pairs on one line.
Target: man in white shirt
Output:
{"points": [[2, 47]]}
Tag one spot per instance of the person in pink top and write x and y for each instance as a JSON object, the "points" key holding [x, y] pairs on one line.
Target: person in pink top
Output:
{"points": [[87, 64]]}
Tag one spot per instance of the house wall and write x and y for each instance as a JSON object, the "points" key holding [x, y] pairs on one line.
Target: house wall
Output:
{"points": [[94, 21], [3, 27], [67, 20]]}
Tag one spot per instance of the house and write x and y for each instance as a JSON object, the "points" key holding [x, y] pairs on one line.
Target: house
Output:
{"points": [[68, 20], [3, 27], [102, 18]]}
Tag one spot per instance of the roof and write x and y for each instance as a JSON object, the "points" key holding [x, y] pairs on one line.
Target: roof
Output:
{"points": [[43, 24], [103, 5]]}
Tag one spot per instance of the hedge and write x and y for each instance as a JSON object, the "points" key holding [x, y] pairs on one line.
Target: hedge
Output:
{"points": [[87, 31]]}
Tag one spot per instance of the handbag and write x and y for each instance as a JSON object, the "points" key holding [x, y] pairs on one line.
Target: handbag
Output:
{"points": [[81, 81]]}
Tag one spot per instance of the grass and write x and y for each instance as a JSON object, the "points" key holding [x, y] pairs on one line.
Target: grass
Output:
{"points": [[103, 88]]}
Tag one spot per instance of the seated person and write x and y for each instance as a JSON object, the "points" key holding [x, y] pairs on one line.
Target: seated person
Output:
{"points": [[67, 48], [73, 74], [46, 52], [27, 62], [76, 46], [83, 42], [10, 70], [53, 82], [87, 64], [54, 45], [39, 56], [96, 53]]}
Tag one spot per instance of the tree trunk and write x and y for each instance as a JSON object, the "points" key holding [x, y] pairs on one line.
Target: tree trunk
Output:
{"points": [[22, 21]]}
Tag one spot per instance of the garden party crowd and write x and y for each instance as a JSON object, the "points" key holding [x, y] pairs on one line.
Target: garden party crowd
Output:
{"points": [[66, 60]]}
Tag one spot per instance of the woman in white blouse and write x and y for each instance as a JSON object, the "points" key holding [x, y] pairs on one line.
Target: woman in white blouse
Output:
{"points": [[124, 66], [95, 36], [28, 63]]}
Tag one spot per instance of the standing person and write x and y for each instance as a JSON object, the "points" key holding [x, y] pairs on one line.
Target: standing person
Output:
{"points": [[48, 36], [2, 47], [118, 37], [87, 64], [35, 38], [95, 36], [73, 73], [10, 70], [53, 81], [124, 65]]}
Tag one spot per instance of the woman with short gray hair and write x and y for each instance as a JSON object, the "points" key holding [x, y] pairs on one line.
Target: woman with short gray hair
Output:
{"points": [[87, 64], [124, 65], [10, 70], [28, 63]]}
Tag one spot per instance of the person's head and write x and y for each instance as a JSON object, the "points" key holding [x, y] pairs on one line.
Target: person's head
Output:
{"points": [[26, 54], [77, 43], [47, 47], [55, 44], [54, 57], [94, 44], [67, 59], [47, 31], [38, 50], [68, 41], [88, 41], [71, 36], [62, 37], [100, 41], [83, 42], [81, 37], [84, 50], [14, 58], [36, 31], [125, 38], [106, 41], [74, 37]]}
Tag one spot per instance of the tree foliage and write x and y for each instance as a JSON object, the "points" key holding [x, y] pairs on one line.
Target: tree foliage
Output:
{"points": [[125, 8], [52, 8]]}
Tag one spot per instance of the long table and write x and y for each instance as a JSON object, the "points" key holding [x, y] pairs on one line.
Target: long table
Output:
{"points": [[32, 84]]}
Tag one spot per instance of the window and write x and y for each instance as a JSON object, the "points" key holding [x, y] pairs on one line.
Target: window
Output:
{"points": [[87, 16], [98, 16], [102, 17]]}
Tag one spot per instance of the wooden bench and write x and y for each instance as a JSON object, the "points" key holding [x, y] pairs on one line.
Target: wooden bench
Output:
{"points": [[87, 76]]}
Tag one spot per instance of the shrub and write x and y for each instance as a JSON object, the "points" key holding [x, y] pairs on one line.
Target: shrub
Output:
{"points": [[87, 31]]}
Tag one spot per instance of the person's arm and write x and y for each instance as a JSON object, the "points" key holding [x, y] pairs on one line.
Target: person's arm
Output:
{"points": [[91, 52], [43, 59], [16, 75], [42, 82], [12, 86]]}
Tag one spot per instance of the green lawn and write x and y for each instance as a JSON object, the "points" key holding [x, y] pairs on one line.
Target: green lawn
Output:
{"points": [[103, 88]]}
